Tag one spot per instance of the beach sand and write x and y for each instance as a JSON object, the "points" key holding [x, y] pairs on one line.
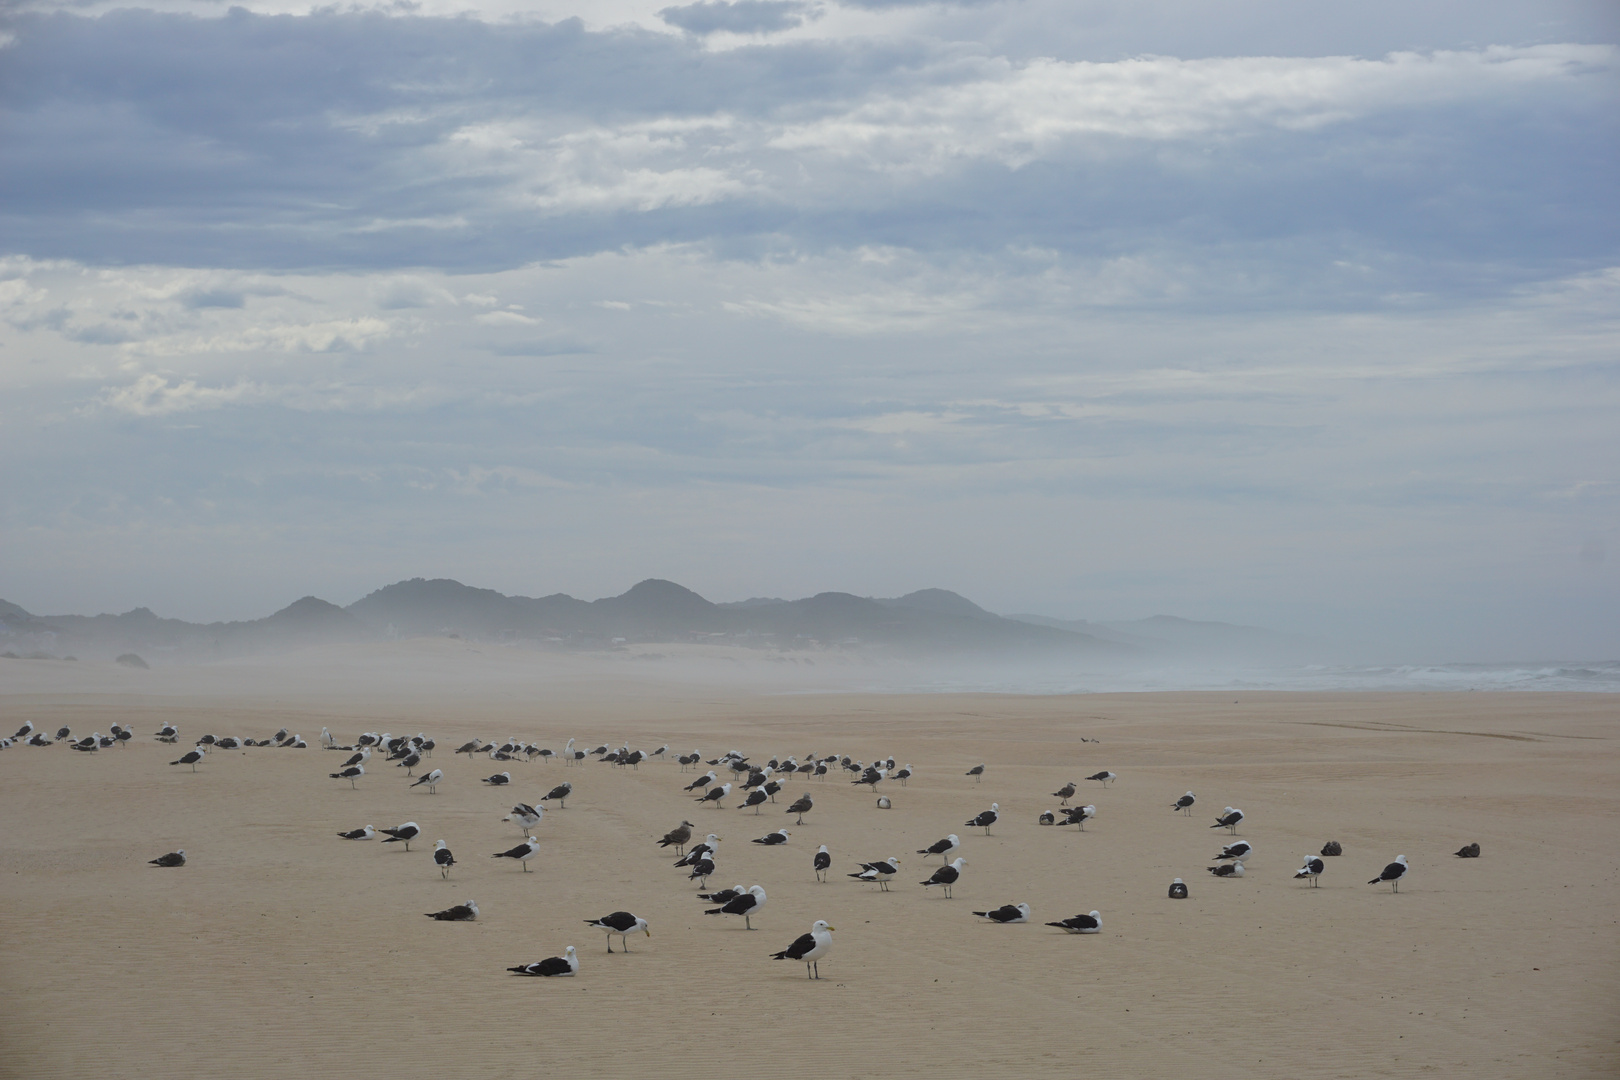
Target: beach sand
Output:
{"points": [[281, 950]]}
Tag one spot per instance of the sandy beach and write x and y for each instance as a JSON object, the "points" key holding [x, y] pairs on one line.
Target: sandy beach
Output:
{"points": [[281, 950]]}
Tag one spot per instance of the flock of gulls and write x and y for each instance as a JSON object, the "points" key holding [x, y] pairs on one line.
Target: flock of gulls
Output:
{"points": [[725, 777]]}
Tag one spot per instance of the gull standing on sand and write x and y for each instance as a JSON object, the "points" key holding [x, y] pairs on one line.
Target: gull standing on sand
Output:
{"points": [[1229, 819], [756, 799], [747, 905], [565, 965], [1185, 804], [986, 819], [1066, 792], [714, 796], [1239, 851], [622, 923], [403, 835], [677, 837], [350, 774], [1008, 913], [1079, 815], [526, 816], [946, 876], [522, 853], [443, 859], [943, 848], [432, 780], [1103, 777], [809, 948], [821, 862], [191, 758], [560, 793], [977, 772], [879, 872], [1314, 865], [703, 781], [1392, 874], [801, 806]]}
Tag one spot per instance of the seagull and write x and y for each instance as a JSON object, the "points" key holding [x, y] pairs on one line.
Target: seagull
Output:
{"points": [[411, 761], [1471, 851], [1079, 815], [903, 774], [359, 834], [526, 816], [946, 876], [883, 802], [1392, 874], [701, 869], [687, 760], [442, 857], [470, 747], [1239, 851], [703, 781], [1046, 818], [1229, 819], [1066, 792], [566, 964], [326, 739], [1178, 889], [977, 772], [821, 862], [1009, 913], [780, 836], [747, 905], [522, 853], [191, 757], [64, 731], [26, 730], [467, 912], [698, 851], [1081, 924], [986, 819], [498, 779], [1103, 777], [716, 795], [560, 793], [724, 896], [348, 774], [801, 807], [1185, 804], [432, 780], [1231, 869], [809, 948], [1312, 869], [879, 872], [173, 858], [402, 835], [1332, 847], [677, 837], [943, 848], [756, 799], [872, 776], [622, 923], [166, 733]]}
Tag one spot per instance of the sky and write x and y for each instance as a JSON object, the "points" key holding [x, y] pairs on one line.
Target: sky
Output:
{"points": [[1298, 315]]}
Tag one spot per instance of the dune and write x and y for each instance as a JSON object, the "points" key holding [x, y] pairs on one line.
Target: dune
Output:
{"points": [[283, 950]]}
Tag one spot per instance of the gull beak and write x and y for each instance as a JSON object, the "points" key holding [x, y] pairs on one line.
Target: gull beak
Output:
{"points": [[830, 929], [649, 933]]}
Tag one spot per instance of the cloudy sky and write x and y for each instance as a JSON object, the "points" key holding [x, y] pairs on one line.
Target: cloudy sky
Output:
{"points": [[1302, 315]]}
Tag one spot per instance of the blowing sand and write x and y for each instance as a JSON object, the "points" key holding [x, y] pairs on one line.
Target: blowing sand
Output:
{"points": [[281, 950]]}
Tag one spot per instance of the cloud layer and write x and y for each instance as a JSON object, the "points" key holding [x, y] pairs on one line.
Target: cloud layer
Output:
{"points": [[779, 297]]}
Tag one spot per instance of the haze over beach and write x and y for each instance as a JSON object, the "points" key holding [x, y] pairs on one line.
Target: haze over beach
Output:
{"points": [[461, 453]]}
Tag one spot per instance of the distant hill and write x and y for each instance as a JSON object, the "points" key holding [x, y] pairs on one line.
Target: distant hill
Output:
{"points": [[927, 621]]}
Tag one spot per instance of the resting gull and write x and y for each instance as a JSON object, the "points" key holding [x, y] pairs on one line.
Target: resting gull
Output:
{"points": [[1080, 924], [1008, 913], [566, 964], [467, 912], [780, 836], [173, 858], [359, 834], [1178, 889]]}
